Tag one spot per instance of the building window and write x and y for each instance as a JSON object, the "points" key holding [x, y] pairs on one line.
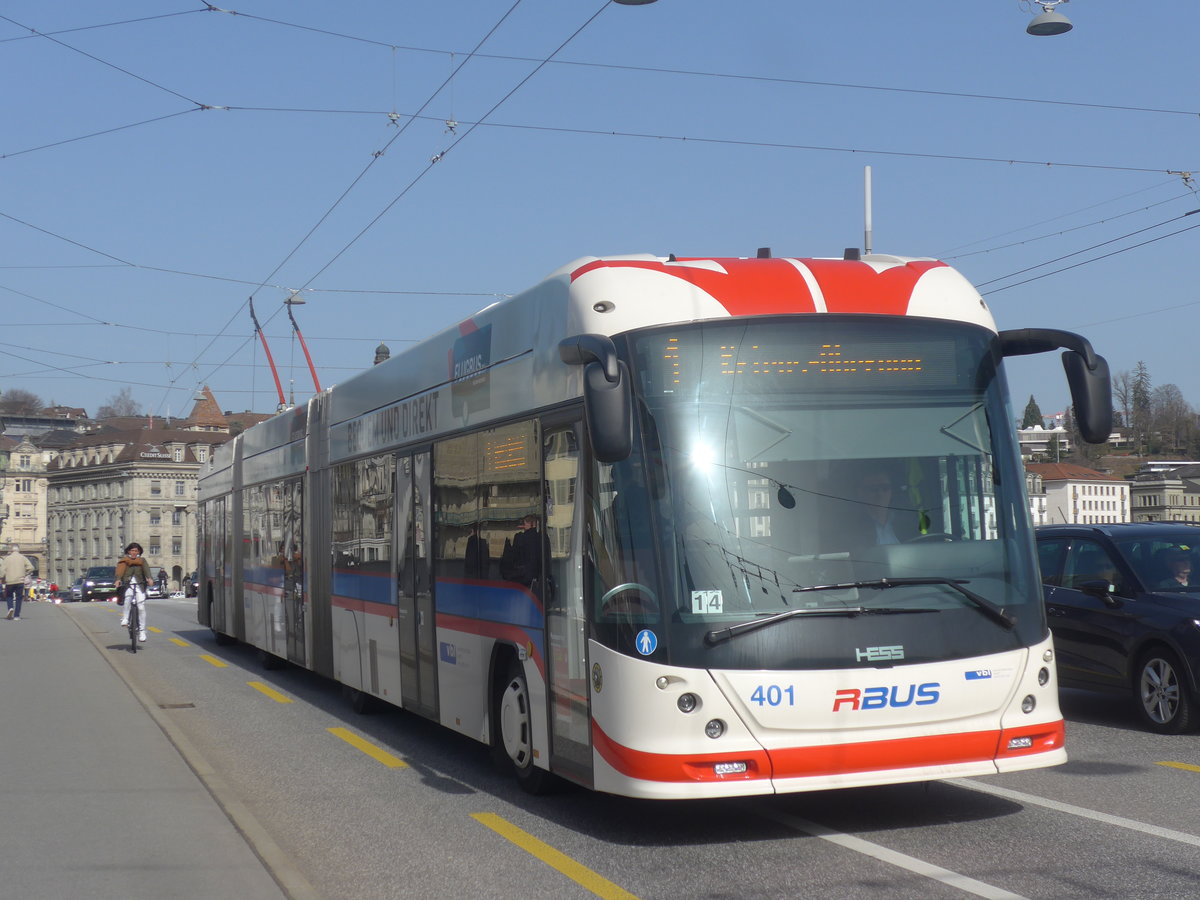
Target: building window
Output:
{"points": [[155, 517], [156, 489], [202, 454], [177, 517], [177, 454], [25, 461], [176, 546], [155, 548], [179, 489]]}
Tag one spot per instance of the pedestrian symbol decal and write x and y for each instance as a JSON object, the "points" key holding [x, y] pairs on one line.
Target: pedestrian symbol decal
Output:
{"points": [[647, 642]]}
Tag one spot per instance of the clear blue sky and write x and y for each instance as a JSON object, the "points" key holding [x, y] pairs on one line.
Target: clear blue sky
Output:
{"points": [[134, 224]]}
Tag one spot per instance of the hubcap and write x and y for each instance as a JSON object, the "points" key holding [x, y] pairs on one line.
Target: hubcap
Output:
{"points": [[514, 723], [1160, 691]]}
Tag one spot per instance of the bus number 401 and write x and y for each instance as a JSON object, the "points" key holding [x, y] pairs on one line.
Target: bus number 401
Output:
{"points": [[774, 695]]}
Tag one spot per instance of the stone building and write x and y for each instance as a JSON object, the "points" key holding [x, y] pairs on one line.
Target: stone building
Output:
{"points": [[1167, 496], [23, 499], [132, 482]]}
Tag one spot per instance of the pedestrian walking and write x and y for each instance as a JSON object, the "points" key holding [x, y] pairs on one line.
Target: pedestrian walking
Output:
{"points": [[15, 569]]}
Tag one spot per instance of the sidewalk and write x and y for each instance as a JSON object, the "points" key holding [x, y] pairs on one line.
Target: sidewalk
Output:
{"points": [[95, 801]]}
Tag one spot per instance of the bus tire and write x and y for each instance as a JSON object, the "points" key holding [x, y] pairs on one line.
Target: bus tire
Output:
{"points": [[512, 729], [360, 701]]}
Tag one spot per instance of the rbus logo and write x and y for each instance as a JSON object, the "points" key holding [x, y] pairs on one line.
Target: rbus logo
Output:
{"points": [[882, 697]]}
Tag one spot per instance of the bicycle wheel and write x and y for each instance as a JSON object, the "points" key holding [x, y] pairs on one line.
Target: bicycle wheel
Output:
{"points": [[133, 625]]}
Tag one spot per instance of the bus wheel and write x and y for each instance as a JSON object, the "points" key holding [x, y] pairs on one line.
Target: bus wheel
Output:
{"points": [[512, 733], [360, 701]]}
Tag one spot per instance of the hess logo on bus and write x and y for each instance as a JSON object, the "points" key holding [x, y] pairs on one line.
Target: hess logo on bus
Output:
{"points": [[887, 696]]}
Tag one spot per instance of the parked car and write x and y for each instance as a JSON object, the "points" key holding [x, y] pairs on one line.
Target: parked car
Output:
{"points": [[99, 583], [77, 589], [1123, 602]]}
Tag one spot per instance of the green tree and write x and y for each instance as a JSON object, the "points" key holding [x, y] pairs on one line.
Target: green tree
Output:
{"points": [[1140, 407], [1033, 415]]}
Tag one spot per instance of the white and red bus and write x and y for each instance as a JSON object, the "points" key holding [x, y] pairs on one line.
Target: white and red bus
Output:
{"points": [[671, 528]]}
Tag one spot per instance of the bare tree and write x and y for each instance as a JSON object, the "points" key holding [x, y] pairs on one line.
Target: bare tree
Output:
{"points": [[1122, 388], [18, 401], [1171, 417], [120, 404]]}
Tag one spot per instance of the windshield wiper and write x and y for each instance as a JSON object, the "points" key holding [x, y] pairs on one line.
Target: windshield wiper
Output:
{"points": [[986, 605], [724, 634]]}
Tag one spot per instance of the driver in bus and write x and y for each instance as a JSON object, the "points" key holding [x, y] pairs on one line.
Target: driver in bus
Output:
{"points": [[873, 519]]}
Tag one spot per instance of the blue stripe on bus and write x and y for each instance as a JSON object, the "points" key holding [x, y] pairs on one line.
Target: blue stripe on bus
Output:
{"points": [[489, 601]]}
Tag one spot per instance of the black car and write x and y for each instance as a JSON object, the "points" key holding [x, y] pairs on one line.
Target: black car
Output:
{"points": [[1123, 602], [99, 583]]}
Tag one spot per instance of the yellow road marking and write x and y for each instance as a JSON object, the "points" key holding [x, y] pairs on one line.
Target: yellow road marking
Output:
{"points": [[578, 873], [1178, 765], [180, 641], [376, 753], [269, 691], [155, 630], [212, 659]]}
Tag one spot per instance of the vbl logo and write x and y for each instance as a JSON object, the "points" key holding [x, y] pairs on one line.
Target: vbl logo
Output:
{"points": [[882, 697]]}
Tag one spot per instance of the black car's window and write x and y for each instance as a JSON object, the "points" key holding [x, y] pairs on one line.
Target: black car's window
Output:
{"points": [[1087, 562], [1157, 563], [1050, 559]]}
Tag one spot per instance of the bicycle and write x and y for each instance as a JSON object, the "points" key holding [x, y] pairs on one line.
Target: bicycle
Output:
{"points": [[134, 623]]}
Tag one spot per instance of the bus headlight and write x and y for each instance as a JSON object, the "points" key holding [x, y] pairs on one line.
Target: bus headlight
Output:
{"points": [[1043, 676], [715, 728], [1028, 704], [687, 703]]}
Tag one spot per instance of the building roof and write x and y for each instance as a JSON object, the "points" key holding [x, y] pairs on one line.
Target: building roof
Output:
{"points": [[1068, 472], [206, 414], [140, 445]]}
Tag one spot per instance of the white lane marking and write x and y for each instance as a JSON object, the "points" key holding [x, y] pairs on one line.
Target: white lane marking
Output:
{"points": [[1119, 821], [892, 857]]}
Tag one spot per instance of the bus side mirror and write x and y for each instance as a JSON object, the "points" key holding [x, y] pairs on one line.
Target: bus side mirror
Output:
{"points": [[607, 400], [1091, 395], [1087, 375]]}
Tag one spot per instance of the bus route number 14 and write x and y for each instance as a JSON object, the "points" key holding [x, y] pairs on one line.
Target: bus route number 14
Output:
{"points": [[774, 695]]}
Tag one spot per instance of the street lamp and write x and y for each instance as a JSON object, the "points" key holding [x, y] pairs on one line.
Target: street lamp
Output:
{"points": [[1049, 22]]}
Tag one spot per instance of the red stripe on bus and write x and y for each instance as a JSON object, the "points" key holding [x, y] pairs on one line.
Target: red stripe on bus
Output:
{"points": [[514, 634], [857, 287], [746, 287], [676, 767], [836, 759]]}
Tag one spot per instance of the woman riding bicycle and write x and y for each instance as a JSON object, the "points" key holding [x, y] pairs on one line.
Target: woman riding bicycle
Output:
{"points": [[133, 576]]}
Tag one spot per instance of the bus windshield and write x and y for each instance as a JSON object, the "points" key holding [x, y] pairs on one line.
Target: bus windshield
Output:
{"points": [[856, 473]]}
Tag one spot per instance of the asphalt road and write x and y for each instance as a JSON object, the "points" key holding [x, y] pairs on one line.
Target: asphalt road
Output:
{"points": [[389, 805]]}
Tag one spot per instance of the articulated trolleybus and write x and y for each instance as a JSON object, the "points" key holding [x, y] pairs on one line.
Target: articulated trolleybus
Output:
{"points": [[671, 528]]}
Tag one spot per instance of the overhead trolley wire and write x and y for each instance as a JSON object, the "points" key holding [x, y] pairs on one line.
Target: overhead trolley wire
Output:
{"points": [[701, 73], [104, 62], [36, 34]]}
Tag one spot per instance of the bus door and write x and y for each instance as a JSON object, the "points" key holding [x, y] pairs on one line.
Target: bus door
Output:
{"points": [[414, 586], [562, 595], [294, 580], [215, 572]]}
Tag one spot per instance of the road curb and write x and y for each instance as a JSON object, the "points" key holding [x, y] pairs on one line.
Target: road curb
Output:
{"points": [[276, 861]]}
